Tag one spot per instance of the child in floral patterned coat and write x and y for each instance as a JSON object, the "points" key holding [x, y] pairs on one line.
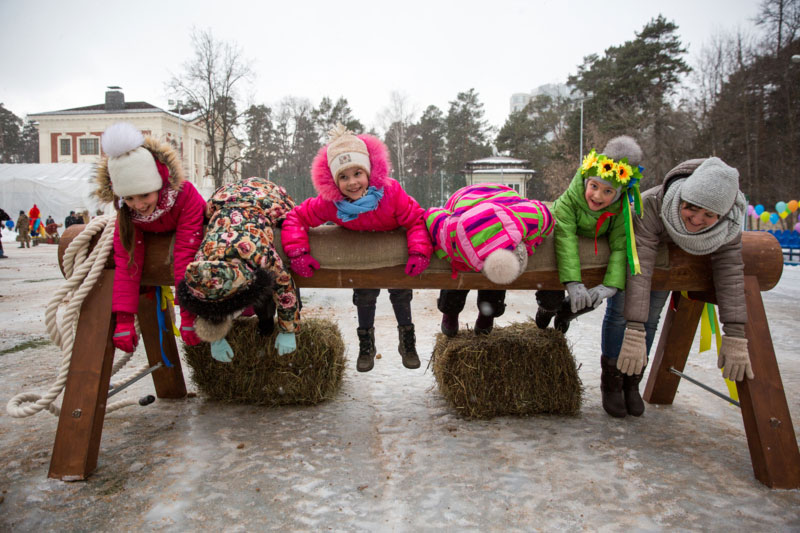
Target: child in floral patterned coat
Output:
{"points": [[144, 179], [237, 267], [351, 175]]}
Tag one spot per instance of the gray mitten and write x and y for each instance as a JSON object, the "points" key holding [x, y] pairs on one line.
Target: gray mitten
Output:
{"points": [[734, 359], [633, 353], [578, 296], [600, 293]]}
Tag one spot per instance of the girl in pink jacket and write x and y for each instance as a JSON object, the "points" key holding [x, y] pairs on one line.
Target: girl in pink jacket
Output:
{"points": [[144, 180], [351, 177]]}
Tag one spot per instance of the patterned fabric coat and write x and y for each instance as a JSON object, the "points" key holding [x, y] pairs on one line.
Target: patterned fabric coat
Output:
{"points": [[480, 219], [238, 242]]}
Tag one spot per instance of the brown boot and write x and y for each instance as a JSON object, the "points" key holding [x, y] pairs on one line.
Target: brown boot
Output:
{"points": [[611, 381], [366, 349], [633, 400], [408, 346]]}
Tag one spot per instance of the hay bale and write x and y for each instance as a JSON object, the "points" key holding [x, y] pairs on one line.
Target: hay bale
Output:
{"points": [[516, 370], [258, 375]]}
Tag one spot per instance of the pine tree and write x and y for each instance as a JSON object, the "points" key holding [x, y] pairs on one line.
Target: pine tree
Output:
{"points": [[260, 154], [10, 136], [466, 133]]}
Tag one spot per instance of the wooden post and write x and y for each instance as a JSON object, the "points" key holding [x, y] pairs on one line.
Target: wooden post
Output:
{"points": [[674, 344], [83, 410], [169, 382], [767, 423]]}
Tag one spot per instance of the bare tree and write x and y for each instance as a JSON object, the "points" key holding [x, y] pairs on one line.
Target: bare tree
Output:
{"points": [[395, 121], [781, 19], [209, 84]]}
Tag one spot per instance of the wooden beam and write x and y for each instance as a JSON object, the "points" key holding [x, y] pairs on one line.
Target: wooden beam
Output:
{"points": [[80, 424], [168, 382]]}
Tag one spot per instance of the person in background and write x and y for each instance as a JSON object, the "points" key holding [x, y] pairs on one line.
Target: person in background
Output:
{"points": [[70, 220], [23, 230], [3, 219]]}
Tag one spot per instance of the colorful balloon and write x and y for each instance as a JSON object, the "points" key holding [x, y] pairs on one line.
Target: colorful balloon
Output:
{"points": [[750, 210], [773, 218], [797, 227], [792, 206], [764, 216], [10, 224], [759, 209], [783, 214], [780, 207]]}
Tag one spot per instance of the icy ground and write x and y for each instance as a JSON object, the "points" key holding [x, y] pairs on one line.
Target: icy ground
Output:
{"points": [[388, 454]]}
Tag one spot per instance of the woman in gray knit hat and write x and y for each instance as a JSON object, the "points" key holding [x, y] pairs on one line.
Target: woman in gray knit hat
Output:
{"points": [[700, 208]]}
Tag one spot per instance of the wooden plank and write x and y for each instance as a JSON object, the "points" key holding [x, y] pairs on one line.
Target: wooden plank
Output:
{"points": [[168, 382], [80, 424], [767, 422], [674, 344]]}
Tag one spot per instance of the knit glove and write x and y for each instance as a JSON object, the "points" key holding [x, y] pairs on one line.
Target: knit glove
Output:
{"points": [[222, 351], [633, 353], [187, 329], [285, 343], [600, 293], [733, 359], [125, 337], [578, 296], [417, 263], [304, 265]]}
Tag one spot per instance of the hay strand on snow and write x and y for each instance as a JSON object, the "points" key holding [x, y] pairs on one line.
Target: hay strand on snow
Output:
{"points": [[516, 370], [258, 375]]}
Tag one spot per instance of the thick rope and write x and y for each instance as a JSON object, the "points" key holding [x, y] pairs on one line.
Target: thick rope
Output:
{"points": [[81, 270]]}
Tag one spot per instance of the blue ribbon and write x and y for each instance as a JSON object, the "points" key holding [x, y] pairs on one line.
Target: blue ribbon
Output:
{"points": [[162, 327]]}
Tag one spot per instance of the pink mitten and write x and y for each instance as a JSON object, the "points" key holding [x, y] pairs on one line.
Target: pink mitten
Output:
{"points": [[125, 337], [187, 329], [304, 265], [417, 263]]}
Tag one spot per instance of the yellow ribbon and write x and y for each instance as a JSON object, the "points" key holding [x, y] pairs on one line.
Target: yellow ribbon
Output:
{"points": [[637, 269], [709, 325], [167, 299]]}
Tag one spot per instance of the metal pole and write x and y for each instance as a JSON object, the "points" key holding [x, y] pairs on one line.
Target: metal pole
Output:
{"points": [[153, 368], [581, 158], [704, 386]]}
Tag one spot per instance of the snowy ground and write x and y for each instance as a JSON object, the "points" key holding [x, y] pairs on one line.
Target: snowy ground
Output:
{"points": [[388, 454]]}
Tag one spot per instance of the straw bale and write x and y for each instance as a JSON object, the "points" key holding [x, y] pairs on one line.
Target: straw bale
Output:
{"points": [[516, 370], [258, 375]]}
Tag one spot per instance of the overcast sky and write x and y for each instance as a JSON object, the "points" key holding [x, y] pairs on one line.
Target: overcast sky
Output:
{"points": [[56, 54]]}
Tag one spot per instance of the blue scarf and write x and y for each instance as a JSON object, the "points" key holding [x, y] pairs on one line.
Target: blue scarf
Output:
{"points": [[347, 210]]}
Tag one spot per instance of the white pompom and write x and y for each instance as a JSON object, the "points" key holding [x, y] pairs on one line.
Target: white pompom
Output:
{"points": [[502, 267], [120, 138], [211, 332]]}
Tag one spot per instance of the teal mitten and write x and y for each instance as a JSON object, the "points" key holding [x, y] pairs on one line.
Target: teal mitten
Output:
{"points": [[285, 343], [222, 351]]}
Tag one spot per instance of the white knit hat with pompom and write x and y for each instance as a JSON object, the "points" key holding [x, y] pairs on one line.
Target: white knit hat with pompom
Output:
{"points": [[131, 166]]}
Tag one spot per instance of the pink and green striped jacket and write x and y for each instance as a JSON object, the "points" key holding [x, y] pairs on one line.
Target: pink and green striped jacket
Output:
{"points": [[480, 219]]}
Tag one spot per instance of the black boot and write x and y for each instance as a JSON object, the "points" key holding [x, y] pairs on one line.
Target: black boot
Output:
{"points": [[366, 349], [484, 324], [633, 400], [611, 381], [543, 318], [408, 346], [450, 324], [561, 323]]}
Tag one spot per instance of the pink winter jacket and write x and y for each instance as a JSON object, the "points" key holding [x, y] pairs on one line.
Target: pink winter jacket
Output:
{"points": [[185, 218], [396, 208]]}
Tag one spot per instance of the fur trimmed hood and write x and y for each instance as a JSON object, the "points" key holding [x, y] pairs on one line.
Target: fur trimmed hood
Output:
{"points": [[163, 153], [324, 182]]}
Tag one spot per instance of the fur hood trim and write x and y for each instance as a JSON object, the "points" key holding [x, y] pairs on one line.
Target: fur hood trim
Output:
{"points": [[163, 152], [324, 182]]}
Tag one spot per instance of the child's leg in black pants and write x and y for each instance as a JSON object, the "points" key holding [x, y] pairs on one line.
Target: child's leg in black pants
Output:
{"points": [[491, 304], [549, 303], [401, 303], [364, 300], [451, 303]]}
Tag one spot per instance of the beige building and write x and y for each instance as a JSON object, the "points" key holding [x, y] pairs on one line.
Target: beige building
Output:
{"points": [[73, 135], [499, 169]]}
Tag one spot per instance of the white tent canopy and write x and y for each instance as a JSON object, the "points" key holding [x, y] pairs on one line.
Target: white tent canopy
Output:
{"points": [[55, 188]]}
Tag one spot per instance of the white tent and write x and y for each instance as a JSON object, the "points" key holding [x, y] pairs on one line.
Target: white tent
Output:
{"points": [[55, 188]]}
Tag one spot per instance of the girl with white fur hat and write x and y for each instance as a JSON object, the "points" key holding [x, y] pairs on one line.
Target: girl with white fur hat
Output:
{"points": [[144, 180]]}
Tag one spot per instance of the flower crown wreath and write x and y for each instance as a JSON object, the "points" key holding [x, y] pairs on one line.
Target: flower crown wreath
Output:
{"points": [[620, 174]]}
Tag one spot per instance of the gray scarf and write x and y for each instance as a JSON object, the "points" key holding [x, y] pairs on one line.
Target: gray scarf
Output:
{"points": [[709, 239]]}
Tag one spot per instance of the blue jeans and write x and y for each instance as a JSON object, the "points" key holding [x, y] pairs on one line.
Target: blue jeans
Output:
{"points": [[614, 322]]}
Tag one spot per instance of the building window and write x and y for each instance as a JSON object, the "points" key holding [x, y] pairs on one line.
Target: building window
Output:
{"points": [[514, 186], [90, 146], [66, 146]]}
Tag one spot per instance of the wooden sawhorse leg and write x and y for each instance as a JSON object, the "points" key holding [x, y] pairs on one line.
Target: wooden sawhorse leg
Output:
{"points": [[765, 412], [80, 423], [169, 382]]}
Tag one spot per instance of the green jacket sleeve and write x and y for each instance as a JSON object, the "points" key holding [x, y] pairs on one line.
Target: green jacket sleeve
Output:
{"points": [[618, 257], [566, 243]]}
